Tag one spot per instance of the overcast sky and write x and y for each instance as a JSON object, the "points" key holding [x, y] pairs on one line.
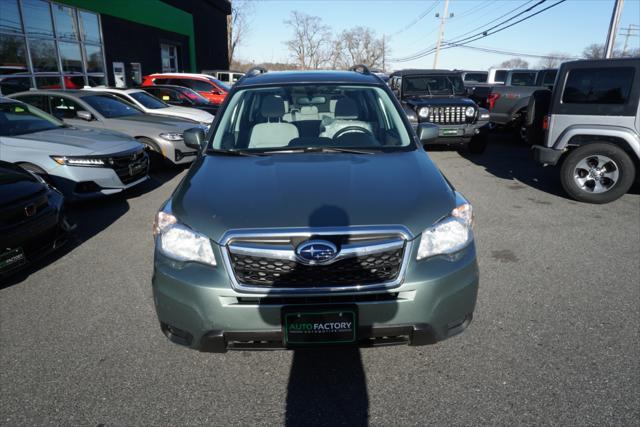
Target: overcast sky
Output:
{"points": [[566, 28]]}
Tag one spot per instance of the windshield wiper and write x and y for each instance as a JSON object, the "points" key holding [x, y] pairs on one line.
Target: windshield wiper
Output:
{"points": [[320, 150], [234, 153]]}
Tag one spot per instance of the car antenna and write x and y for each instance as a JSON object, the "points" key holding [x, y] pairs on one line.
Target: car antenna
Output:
{"points": [[364, 69]]}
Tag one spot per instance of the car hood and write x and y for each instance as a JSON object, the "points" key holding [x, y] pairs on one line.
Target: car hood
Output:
{"points": [[83, 140], [439, 101], [312, 190], [161, 123], [185, 112], [16, 184]]}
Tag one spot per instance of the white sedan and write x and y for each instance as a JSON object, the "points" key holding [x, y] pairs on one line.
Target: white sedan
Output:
{"points": [[152, 105]]}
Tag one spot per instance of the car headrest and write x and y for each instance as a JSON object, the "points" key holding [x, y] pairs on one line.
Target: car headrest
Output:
{"points": [[272, 107], [346, 108]]}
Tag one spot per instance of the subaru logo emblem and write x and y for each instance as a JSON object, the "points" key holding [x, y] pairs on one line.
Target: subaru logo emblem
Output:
{"points": [[316, 252]]}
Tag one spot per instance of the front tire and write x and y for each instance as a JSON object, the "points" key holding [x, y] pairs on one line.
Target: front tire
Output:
{"points": [[597, 173], [156, 159]]}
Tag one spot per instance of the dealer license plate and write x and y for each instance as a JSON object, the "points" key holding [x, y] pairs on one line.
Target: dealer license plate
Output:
{"points": [[319, 326]]}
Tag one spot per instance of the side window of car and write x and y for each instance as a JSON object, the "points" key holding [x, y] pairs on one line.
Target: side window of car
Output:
{"points": [[64, 108], [549, 78], [223, 77], [168, 95], [38, 101], [598, 85], [162, 81], [122, 98], [199, 85]]}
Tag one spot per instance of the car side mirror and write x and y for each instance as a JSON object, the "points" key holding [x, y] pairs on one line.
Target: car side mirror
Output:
{"points": [[428, 133], [194, 138], [84, 115]]}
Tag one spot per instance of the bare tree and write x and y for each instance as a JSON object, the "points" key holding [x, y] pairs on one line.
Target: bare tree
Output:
{"points": [[515, 63], [360, 45], [310, 45], [593, 51], [553, 60], [238, 26], [596, 51]]}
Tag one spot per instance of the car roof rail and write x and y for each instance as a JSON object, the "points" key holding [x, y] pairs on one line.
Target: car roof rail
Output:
{"points": [[364, 69]]}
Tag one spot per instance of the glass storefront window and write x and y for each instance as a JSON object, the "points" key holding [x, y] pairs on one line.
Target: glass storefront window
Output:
{"points": [[52, 82], [66, 27], [70, 56], [49, 44], [96, 80], [43, 55], [13, 54], [9, 85], [74, 82], [10, 16], [90, 27], [94, 59], [37, 18]]}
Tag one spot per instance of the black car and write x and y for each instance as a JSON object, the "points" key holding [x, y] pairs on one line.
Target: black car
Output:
{"points": [[182, 97], [439, 97], [32, 219]]}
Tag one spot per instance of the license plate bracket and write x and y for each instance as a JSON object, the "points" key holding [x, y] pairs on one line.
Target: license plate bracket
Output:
{"points": [[309, 326]]}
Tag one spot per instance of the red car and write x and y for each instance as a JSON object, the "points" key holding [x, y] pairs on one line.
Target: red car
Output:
{"points": [[211, 88]]}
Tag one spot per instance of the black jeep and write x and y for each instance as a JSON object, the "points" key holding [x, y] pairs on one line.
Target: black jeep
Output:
{"points": [[439, 97]]}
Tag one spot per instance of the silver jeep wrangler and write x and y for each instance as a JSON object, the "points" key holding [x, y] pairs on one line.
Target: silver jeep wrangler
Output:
{"points": [[591, 125]]}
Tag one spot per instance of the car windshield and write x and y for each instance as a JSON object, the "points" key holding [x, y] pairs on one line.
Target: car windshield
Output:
{"points": [[110, 106], [194, 96], [433, 85], [299, 118], [21, 119], [149, 101], [220, 84], [476, 77]]}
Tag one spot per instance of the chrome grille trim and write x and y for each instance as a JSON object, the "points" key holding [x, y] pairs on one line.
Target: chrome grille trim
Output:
{"points": [[253, 241]]}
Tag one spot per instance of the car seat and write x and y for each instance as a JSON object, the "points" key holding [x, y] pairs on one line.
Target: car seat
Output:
{"points": [[275, 132]]}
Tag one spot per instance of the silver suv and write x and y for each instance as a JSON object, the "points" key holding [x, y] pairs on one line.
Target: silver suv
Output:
{"points": [[591, 122]]}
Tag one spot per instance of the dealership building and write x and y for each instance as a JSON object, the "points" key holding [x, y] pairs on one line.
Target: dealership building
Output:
{"points": [[73, 43]]}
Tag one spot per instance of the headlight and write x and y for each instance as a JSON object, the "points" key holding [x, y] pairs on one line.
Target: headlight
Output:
{"points": [[448, 236], [470, 112], [171, 136], [179, 242], [79, 161], [423, 112]]}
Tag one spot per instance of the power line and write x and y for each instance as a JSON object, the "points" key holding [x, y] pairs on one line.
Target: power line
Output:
{"points": [[510, 53], [485, 33], [427, 51], [415, 21]]}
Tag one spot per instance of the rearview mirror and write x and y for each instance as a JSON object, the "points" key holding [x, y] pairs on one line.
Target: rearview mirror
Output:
{"points": [[427, 132], [84, 115], [194, 138]]}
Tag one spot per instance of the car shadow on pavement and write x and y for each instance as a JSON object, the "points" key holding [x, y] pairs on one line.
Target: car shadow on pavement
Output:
{"points": [[510, 160], [327, 386]]}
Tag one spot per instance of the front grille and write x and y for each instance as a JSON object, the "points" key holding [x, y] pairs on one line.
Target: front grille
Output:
{"points": [[447, 115], [327, 299], [16, 212], [131, 167], [266, 272]]}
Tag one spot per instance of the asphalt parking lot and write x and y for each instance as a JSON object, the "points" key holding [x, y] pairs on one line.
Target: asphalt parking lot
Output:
{"points": [[555, 339]]}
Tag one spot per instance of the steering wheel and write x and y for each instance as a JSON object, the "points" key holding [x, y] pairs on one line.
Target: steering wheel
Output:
{"points": [[353, 128]]}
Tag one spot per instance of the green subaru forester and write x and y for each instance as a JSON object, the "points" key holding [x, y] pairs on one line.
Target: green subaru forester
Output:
{"points": [[313, 217]]}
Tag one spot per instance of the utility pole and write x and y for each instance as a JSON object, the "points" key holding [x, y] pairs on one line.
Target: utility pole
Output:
{"points": [[628, 32], [443, 21], [384, 55], [613, 28]]}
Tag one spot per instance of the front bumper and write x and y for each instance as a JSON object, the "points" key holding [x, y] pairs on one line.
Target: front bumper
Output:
{"points": [[36, 237], [176, 151], [86, 183], [458, 134], [197, 306]]}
